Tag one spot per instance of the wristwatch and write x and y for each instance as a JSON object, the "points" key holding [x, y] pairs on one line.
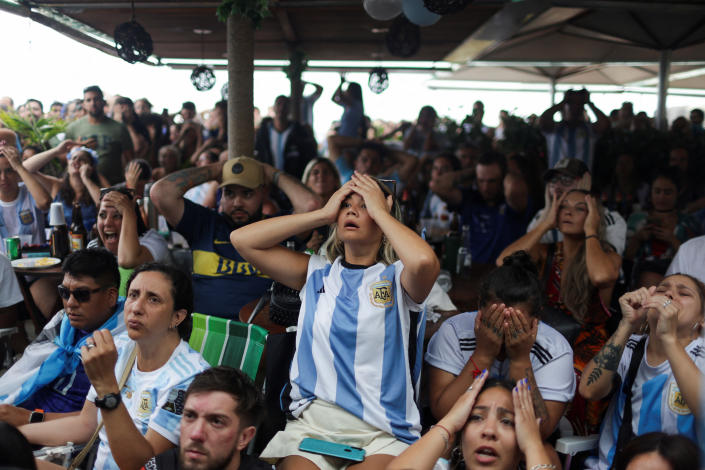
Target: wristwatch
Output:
{"points": [[36, 416], [110, 401]]}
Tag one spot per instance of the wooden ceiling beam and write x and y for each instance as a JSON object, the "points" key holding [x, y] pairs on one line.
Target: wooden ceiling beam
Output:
{"points": [[286, 25]]}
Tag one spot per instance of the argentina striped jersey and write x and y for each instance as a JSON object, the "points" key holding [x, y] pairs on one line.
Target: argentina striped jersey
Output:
{"points": [[657, 402], [359, 345]]}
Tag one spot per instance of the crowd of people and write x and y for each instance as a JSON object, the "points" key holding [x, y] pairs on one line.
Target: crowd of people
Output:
{"points": [[590, 310]]}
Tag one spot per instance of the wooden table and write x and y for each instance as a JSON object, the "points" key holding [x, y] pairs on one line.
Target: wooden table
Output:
{"points": [[34, 313]]}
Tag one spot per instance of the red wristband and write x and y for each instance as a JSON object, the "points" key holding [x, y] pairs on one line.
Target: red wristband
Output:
{"points": [[477, 370]]}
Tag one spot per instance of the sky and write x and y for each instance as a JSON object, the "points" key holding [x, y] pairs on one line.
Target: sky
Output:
{"points": [[49, 66]]}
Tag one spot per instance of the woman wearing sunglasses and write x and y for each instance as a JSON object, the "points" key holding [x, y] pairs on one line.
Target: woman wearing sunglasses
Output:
{"points": [[121, 231], [140, 419], [355, 371]]}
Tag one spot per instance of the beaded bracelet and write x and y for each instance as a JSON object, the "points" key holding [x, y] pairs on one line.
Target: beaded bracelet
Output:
{"points": [[548, 466]]}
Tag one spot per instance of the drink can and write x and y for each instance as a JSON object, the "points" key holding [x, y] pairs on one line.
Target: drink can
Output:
{"points": [[12, 247]]}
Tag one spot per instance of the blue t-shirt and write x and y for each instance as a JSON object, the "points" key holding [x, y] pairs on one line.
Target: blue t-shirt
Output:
{"points": [[492, 228], [65, 393], [351, 120], [223, 281]]}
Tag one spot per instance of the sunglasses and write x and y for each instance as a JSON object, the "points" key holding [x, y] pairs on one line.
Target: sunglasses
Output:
{"points": [[562, 180], [81, 295], [390, 184]]}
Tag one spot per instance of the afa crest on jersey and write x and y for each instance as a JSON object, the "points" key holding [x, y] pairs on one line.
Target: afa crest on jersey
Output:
{"points": [[381, 294], [676, 402]]}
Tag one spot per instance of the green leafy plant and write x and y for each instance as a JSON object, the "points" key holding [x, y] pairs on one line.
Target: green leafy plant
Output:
{"points": [[33, 132], [255, 10]]}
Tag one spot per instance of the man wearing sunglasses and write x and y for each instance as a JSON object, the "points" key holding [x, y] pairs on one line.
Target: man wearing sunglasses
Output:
{"points": [[49, 378]]}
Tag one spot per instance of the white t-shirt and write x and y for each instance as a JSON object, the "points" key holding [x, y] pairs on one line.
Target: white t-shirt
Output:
{"points": [[657, 403], [615, 231], [22, 215], [155, 399], [197, 194], [690, 259], [10, 293], [551, 356], [155, 243]]}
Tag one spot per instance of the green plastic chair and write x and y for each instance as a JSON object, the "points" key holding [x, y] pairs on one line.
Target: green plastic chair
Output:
{"points": [[228, 342]]}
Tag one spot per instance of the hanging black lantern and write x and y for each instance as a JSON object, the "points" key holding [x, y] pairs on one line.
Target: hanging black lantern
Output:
{"points": [[379, 80], [132, 42], [445, 7], [203, 78], [403, 38]]}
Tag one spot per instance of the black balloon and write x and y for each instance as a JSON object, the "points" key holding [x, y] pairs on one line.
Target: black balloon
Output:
{"points": [[445, 7], [403, 38]]}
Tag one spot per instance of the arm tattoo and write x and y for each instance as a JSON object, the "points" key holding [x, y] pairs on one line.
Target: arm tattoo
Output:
{"points": [[607, 359], [539, 405], [186, 179]]}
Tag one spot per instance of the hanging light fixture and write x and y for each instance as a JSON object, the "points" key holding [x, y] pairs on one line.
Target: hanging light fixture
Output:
{"points": [[132, 42], [202, 77], [379, 80]]}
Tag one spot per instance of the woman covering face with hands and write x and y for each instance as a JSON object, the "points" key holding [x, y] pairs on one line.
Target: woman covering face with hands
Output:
{"points": [[498, 427], [352, 379], [667, 365], [506, 337]]}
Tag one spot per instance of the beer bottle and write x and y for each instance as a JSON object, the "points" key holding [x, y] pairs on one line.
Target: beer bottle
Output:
{"points": [[77, 231]]}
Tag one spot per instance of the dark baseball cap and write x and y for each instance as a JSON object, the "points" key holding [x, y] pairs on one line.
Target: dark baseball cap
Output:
{"points": [[571, 167]]}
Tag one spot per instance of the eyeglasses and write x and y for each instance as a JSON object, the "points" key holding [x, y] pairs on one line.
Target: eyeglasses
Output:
{"points": [[81, 295]]}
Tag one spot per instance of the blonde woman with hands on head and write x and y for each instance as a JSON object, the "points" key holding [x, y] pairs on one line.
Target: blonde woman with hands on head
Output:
{"points": [[351, 378], [579, 275]]}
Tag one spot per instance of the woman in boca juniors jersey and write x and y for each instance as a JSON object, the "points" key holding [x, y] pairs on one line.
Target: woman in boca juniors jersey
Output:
{"points": [[354, 376]]}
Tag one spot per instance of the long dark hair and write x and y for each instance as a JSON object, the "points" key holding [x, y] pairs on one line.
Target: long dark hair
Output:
{"points": [[15, 451], [66, 192]]}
